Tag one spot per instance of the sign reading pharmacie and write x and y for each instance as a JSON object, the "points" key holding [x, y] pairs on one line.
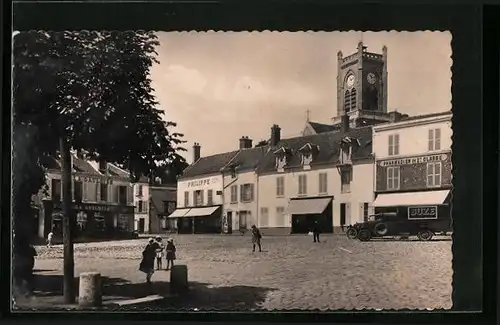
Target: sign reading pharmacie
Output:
{"points": [[203, 182], [98, 207], [414, 160]]}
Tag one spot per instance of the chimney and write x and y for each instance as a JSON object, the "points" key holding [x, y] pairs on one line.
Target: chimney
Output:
{"points": [[245, 142], [345, 123], [196, 152], [275, 135], [395, 116]]}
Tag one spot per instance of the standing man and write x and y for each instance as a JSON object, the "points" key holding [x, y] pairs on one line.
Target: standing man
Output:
{"points": [[316, 231], [256, 237]]}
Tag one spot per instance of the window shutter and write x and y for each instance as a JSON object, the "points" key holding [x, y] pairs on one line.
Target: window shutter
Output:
{"points": [[251, 192], [202, 192], [195, 202], [242, 193], [130, 195]]}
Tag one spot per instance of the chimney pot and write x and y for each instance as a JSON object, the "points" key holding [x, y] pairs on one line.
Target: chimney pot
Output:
{"points": [[196, 152], [275, 135]]}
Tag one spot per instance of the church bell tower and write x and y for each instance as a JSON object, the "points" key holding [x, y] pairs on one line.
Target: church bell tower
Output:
{"points": [[362, 87]]}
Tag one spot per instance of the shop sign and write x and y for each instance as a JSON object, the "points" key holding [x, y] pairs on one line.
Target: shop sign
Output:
{"points": [[413, 160], [98, 207], [93, 179], [422, 212], [202, 182]]}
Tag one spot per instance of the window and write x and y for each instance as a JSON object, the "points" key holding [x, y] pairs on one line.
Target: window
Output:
{"points": [[122, 194], [166, 205], [280, 216], [365, 212], [434, 139], [302, 184], [81, 220], [350, 100], [210, 197], [393, 178], [186, 198], [246, 193], [139, 190], [56, 190], [264, 217], [393, 144], [434, 174], [234, 193], [323, 183], [123, 223], [140, 206], [104, 192], [345, 179], [280, 186], [78, 191], [198, 198], [99, 222], [171, 207]]}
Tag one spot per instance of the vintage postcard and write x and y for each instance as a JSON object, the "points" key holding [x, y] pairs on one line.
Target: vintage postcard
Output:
{"points": [[232, 171]]}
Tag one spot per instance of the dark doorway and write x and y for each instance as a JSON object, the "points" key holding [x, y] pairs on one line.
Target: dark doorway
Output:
{"points": [[185, 225], [229, 221], [142, 222], [342, 214]]}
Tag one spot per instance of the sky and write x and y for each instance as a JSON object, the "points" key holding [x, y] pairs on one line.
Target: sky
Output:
{"points": [[220, 86]]}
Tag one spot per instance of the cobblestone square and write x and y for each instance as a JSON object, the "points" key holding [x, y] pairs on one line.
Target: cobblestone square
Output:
{"points": [[291, 273]]}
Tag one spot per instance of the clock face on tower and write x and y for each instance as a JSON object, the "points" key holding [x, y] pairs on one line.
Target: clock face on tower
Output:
{"points": [[350, 81], [372, 78]]}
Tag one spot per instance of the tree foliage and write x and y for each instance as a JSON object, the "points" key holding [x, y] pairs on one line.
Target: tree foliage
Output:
{"points": [[261, 143], [93, 88]]}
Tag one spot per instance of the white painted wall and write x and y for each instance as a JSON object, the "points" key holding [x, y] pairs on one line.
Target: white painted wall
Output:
{"points": [[145, 212], [361, 192], [413, 136], [241, 178], [205, 183]]}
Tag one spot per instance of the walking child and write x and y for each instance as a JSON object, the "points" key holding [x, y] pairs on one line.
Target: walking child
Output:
{"points": [[170, 253], [49, 239], [159, 253]]}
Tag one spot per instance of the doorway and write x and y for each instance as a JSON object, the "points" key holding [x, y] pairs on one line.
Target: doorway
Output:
{"points": [[142, 223], [229, 222], [342, 215], [243, 220]]}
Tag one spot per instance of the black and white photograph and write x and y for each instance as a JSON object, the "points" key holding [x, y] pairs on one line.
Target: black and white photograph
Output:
{"points": [[232, 171]]}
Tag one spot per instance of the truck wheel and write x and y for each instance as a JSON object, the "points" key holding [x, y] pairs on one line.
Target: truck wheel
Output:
{"points": [[425, 235], [364, 235], [351, 233], [381, 229]]}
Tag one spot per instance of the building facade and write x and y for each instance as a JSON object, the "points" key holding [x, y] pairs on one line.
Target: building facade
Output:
{"points": [[102, 200], [200, 194], [142, 206], [240, 196], [325, 178], [413, 166], [163, 204]]}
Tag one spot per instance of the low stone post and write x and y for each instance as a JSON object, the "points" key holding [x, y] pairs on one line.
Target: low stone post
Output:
{"points": [[179, 279], [90, 293]]}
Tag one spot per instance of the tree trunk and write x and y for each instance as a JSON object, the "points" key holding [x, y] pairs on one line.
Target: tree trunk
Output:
{"points": [[69, 263]]}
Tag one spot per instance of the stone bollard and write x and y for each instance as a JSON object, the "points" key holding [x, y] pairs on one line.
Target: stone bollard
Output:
{"points": [[179, 279], [90, 291]]}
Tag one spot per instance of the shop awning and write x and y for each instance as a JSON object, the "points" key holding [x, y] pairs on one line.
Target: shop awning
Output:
{"points": [[411, 198], [179, 213], [308, 206], [201, 212]]}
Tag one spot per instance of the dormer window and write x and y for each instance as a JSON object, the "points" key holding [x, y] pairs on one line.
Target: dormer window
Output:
{"points": [[282, 156], [348, 145], [308, 153]]}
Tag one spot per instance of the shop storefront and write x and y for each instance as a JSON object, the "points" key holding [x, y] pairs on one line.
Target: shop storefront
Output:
{"points": [[305, 212], [423, 205], [202, 220], [91, 220]]}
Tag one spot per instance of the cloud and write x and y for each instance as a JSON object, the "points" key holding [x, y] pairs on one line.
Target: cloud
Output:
{"points": [[250, 90], [185, 80]]}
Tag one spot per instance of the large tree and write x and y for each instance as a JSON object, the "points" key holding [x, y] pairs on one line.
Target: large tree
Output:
{"points": [[91, 91]]}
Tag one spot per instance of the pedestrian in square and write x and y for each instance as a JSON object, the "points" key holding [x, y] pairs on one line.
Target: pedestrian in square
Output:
{"points": [[170, 253], [315, 231], [256, 237], [49, 239], [159, 253], [148, 259]]}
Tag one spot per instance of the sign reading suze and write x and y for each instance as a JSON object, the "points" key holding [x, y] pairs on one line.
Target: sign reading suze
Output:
{"points": [[203, 182], [422, 212]]}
